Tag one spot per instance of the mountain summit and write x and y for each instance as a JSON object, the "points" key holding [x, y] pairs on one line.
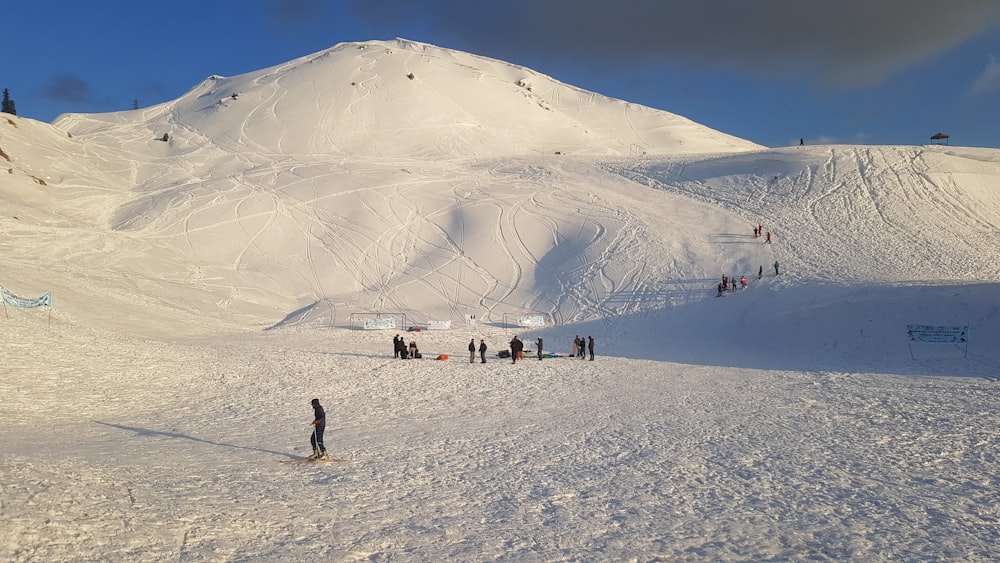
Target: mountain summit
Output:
{"points": [[403, 98]]}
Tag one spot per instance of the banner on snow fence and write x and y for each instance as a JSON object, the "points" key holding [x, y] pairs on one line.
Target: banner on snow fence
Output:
{"points": [[380, 324], [531, 321], [938, 334], [23, 302], [957, 336]]}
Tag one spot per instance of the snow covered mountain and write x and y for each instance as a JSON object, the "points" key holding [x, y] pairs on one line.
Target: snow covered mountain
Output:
{"points": [[401, 177], [274, 190], [400, 98]]}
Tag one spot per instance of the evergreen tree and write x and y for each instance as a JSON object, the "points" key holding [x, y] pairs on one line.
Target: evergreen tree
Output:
{"points": [[8, 104]]}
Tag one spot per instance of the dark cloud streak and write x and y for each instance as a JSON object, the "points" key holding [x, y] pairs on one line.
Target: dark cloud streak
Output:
{"points": [[67, 88], [841, 43]]}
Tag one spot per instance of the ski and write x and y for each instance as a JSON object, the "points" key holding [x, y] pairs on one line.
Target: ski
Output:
{"points": [[307, 460]]}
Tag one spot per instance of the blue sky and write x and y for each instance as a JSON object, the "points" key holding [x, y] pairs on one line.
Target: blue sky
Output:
{"points": [[771, 71]]}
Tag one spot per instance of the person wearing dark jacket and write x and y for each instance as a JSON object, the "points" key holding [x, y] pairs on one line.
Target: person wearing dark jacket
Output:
{"points": [[319, 425], [590, 346], [539, 347], [482, 350], [516, 348], [472, 351]]}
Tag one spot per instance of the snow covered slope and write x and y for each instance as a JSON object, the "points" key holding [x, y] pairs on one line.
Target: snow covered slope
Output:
{"points": [[337, 183], [142, 417], [855, 213]]}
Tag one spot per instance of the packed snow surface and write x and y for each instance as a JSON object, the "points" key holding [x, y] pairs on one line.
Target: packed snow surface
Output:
{"points": [[212, 259]]}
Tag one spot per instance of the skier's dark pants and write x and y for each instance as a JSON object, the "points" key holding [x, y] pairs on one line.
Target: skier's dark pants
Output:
{"points": [[317, 439]]}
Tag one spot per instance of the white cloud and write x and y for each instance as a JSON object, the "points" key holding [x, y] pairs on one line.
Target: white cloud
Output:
{"points": [[989, 79]]}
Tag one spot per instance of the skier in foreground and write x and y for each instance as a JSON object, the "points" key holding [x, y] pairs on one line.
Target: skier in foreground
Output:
{"points": [[319, 425]]}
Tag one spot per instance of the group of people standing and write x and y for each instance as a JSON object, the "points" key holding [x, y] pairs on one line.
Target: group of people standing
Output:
{"points": [[758, 232], [402, 351], [729, 284], [581, 345], [472, 350]]}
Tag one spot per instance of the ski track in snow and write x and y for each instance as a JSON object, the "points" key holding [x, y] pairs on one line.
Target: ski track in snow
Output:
{"points": [[863, 215], [619, 459]]}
